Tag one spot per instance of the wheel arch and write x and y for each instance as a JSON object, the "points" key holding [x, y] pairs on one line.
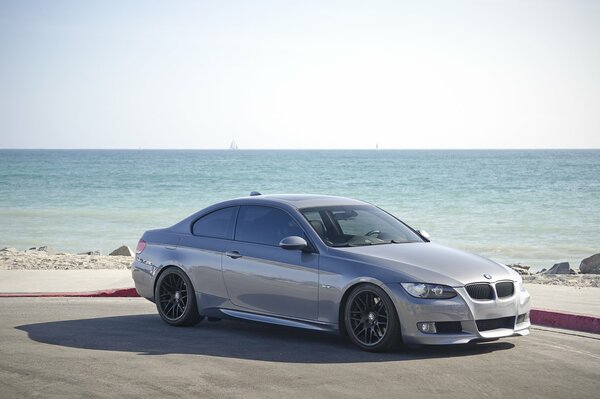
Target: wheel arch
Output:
{"points": [[161, 271], [349, 288]]}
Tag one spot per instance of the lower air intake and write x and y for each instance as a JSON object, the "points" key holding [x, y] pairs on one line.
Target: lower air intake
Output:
{"points": [[448, 327], [494, 324]]}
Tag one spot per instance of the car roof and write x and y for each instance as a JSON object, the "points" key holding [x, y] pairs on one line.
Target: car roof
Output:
{"points": [[300, 201]]}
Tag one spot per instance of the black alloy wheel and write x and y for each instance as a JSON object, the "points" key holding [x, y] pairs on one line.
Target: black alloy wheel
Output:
{"points": [[370, 318], [175, 298]]}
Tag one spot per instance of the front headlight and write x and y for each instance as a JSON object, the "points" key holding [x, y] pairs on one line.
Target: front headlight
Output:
{"points": [[429, 291]]}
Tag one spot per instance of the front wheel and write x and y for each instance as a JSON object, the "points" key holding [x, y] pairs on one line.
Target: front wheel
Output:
{"points": [[370, 319], [175, 299]]}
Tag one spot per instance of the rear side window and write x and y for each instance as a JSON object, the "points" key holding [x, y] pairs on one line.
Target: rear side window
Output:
{"points": [[265, 225], [217, 224]]}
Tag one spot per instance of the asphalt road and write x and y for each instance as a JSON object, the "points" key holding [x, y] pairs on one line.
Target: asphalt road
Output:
{"points": [[55, 347]]}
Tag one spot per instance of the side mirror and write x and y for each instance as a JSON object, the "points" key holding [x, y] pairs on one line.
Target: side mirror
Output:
{"points": [[293, 242], [424, 234]]}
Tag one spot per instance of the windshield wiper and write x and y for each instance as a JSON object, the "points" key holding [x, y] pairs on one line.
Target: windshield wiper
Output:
{"points": [[366, 243]]}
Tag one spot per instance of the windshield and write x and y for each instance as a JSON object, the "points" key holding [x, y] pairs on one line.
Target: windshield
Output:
{"points": [[357, 225]]}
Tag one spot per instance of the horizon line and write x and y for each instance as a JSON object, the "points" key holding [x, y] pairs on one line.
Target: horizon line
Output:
{"points": [[303, 149]]}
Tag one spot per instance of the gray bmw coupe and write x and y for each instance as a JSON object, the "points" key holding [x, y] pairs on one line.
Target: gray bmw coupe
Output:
{"points": [[326, 263]]}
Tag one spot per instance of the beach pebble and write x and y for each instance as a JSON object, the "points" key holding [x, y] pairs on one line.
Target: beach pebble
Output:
{"points": [[590, 265], [123, 250]]}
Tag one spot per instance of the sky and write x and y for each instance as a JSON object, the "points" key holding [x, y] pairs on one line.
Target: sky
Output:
{"points": [[300, 74]]}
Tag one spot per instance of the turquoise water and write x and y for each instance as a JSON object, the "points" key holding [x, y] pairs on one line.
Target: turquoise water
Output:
{"points": [[537, 207]]}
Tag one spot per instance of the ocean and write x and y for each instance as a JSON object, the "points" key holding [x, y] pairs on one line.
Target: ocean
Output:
{"points": [[536, 207]]}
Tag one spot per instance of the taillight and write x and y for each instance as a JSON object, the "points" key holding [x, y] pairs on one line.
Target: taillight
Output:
{"points": [[140, 247]]}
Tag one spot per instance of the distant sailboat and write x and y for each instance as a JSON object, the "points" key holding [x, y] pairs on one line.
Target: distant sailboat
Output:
{"points": [[233, 145]]}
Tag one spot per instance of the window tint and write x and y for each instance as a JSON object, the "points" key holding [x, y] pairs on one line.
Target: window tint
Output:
{"points": [[265, 225], [361, 223], [218, 224], [350, 226]]}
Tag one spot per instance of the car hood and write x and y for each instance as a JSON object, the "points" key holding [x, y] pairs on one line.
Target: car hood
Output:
{"points": [[428, 263]]}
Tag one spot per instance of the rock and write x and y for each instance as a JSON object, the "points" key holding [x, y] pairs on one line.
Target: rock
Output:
{"points": [[590, 265], [523, 270], [559, 268], [89, 253], [123, 250], [46, 249], [9, 249], [544, 270]]}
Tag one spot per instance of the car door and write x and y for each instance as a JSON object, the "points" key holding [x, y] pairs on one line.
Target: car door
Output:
{"points": [[262, 277]]}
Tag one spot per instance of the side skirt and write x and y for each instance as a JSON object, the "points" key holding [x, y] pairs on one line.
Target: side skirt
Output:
{"points": [[280, 321]]}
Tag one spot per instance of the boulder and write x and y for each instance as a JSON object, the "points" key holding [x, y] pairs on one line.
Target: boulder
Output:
{"points": [[590, 265], [123, 250], [560, 268], [9, 249]]}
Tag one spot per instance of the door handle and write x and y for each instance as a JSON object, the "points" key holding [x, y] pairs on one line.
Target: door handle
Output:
{"points": [[233, 254]]}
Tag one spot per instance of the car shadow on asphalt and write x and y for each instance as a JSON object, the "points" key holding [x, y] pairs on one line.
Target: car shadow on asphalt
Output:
{"points": [[149, 335]]}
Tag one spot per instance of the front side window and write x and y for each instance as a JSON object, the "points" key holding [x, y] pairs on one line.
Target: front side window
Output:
{"points": [[265, 225], [356, 225], [217, 224]]}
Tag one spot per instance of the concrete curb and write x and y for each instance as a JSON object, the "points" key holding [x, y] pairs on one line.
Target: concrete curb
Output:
{"points": [[567, 321], [540, 317], [112, 293]]}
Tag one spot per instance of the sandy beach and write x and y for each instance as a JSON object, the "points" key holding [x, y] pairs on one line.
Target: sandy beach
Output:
{"points": [[40, 260]]}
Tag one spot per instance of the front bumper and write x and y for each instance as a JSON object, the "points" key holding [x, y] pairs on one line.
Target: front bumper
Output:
{"points": [[479, 319]]}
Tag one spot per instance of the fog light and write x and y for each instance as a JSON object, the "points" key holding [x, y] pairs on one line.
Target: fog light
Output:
{"points": [[427, 327], [522, 318]]}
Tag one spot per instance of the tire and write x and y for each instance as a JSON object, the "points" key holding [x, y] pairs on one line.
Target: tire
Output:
{"points": [[370, 319], [176, 299]]}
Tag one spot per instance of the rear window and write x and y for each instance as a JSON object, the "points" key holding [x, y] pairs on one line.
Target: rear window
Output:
{"points": [[217, 224]]}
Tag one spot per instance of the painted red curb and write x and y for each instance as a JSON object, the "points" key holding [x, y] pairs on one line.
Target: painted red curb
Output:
{"points": [[114, 293], [565, 320]]}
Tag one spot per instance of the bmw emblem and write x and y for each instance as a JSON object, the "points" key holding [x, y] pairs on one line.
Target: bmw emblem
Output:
{"points": [[488, 276]]}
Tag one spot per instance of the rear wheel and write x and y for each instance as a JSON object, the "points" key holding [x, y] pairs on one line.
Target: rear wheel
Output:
{"points": [[370, 319], [175, 299]]}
